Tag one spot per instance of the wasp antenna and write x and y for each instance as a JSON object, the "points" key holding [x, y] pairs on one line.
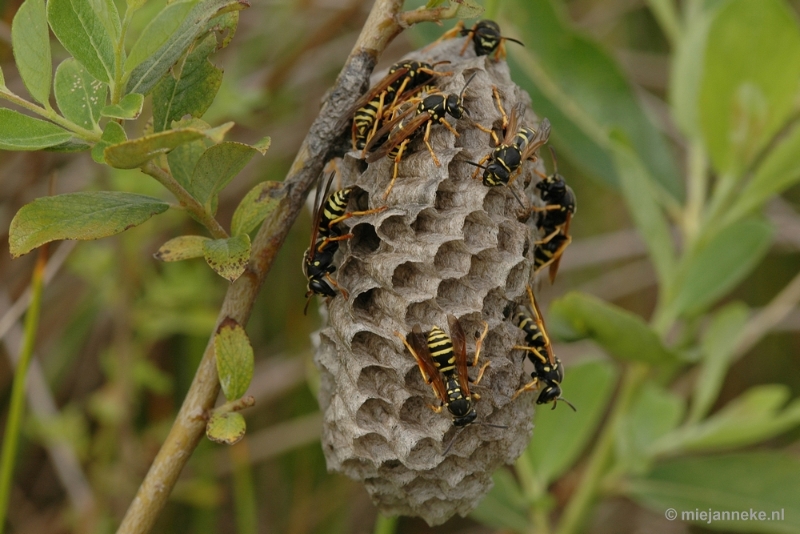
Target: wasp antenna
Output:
{"points": [[450, 445], [555, 161], [493, 426], [475, 164], [518, 199], [513, 40], [445, 62], [305, 308], [562, 399], [461, 96]]}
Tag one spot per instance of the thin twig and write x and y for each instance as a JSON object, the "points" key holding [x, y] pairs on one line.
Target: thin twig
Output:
{"points": [[764, 321], [380, 28]]}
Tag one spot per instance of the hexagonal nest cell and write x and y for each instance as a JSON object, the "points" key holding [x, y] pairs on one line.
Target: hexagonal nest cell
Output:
{"points": [[445, 245]]}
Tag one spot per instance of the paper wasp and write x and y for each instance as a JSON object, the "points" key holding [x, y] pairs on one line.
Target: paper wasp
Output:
{"points": [[485, 36], [401, 130], [518, 145], [442, 361], [547, 368], [329, 211], [405, 78], [560, 206]]}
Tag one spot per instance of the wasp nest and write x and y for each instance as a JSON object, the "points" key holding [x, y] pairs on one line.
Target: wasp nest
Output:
{"points": [[446, 244]]}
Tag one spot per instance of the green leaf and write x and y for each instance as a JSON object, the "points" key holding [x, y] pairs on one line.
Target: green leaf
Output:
{"points": [[145, 76], [79, 28], [687, 73], [183, 160], [234, 357], [255, 206], [228, 257], [107, 12], [79, 96], [131, 154], [779, 171], [226, 428], [216, 168], [560, 435], [468, 9], [20, 132], [504, 507], [750, 418], [655, 412], [620, 332], [30, 40], [181, 248], [761, 481], [718, 345], [128, 107], [157, 31], [640, 196], [114, 134], [749, 88], [584, 93], [724, 262], [191, 88], [79, 216], [2, 78]]}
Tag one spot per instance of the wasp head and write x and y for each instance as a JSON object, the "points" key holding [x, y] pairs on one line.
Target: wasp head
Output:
{"points": [[463, 411]]}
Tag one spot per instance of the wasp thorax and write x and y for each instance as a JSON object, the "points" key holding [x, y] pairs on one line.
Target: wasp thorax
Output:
{"points": [[446, 245]]}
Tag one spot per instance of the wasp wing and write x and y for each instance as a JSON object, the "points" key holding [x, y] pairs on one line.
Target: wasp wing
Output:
{"points": [[422, 354], [539, 318], [398, 135], [319, 200], [541, 137], [373, 93], [459, 340], [517, 112], [560, 252]]}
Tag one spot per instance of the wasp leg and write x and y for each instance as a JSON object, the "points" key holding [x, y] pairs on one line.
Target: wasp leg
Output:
{"points": [[554, 259], [478, 169], [436, 409], [426, 139], [397, 158], [325, 242], [480, 373], [332, 282], [479, 343], [530, 386], [470, 34], [347, 215], [549, 237], [450, 34], [499, 104], [533, 350], [425, 377]]}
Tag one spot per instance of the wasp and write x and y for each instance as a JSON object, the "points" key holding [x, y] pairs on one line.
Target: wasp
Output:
{"points": [[556, 214], [403, 80], [329, 211], [547, 367], [518, 145], [401, 130], [442, 362], [485, 36]]}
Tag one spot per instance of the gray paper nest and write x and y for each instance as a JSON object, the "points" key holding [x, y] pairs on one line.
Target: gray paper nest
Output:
{"points": [[446, 245]]}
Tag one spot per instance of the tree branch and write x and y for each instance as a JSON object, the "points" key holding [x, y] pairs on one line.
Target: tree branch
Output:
{"points": [[381, 27]]}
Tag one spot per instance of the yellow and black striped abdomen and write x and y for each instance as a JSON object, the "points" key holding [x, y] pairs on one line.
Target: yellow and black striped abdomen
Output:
{"points": [[533, 334], [441, 348], [335, 206]]}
